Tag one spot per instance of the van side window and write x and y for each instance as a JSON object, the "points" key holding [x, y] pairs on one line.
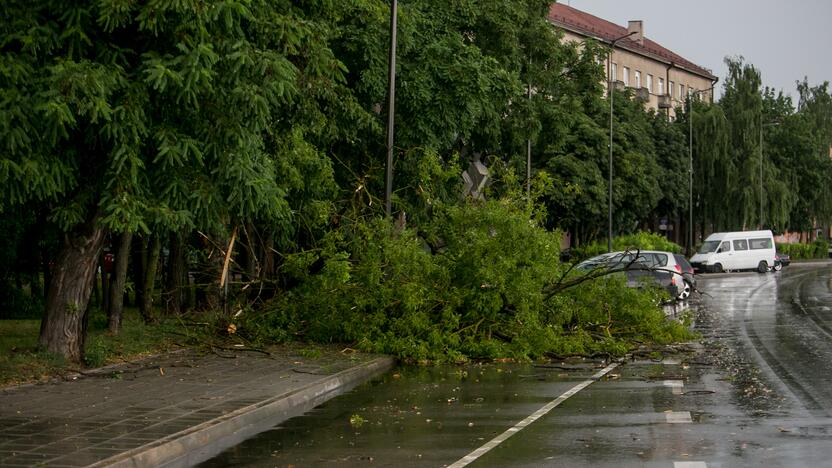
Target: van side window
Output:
{"points": [[740, 244], [725, 246], [759, 244]]}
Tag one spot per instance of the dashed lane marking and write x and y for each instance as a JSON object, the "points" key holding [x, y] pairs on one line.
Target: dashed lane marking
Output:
{"points": [[676, 386], [485, 448], [689, 464], [678, 417]]}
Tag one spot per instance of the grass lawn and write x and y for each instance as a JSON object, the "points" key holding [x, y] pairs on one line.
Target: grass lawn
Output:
{"points": [[22, 362]]}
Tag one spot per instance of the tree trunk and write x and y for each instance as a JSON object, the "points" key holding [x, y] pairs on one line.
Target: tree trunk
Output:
{"points": [[175, 275], [154, 249], [267, 267], [250, 250], [138, 266], [105, 283], [122, 259], [47, 271], [62, 330], [95, 297]]}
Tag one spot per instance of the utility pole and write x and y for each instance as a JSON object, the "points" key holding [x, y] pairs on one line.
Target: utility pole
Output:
{"points": [[529, 155], [391, 111], [690, 177], [610, 84]]}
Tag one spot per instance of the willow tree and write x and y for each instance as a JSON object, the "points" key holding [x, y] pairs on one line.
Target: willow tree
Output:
{"points": [[122, 115], [714, 172], [812, 167], [742, 103]]}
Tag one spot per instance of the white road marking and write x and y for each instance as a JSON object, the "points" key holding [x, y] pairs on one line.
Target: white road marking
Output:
{"points": [[671, 362], [676, 386], [485, 448], [690, 464], [678, 417]]}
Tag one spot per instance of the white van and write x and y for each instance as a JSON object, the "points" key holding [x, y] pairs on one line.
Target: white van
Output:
{"points": [[744, 250]]}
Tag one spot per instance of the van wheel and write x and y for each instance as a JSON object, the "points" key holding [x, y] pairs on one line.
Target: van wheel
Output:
{"points": [[718, 268], [762, 267]]}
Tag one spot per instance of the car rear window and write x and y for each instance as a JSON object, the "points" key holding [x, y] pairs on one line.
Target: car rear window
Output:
{"points": [[653, 260], [683, 262]]}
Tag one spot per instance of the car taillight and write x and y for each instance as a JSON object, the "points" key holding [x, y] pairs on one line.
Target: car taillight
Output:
{"points": [[678, 268]]}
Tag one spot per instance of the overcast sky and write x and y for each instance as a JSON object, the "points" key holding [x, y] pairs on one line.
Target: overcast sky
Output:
{"points": [[784, 40]]}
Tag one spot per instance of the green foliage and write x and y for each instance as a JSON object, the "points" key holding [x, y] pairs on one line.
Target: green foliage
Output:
{"points": [[817, 249], [640, 240], [18, 304], [268, 115], [473, 289]]}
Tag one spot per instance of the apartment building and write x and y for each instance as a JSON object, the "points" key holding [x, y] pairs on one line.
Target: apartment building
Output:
{"points": [[662, 78]]}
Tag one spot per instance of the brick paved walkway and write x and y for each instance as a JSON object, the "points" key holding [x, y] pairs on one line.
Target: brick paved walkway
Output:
{"points": [[97, 419]]}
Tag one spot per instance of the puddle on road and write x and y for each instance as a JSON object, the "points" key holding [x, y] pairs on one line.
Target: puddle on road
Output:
{"points": [[411, 416]]}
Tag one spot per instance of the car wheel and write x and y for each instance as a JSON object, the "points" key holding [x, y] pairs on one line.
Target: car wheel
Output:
{"points": [[762, 267], [778, 266], [718, 268], [685, 294]]}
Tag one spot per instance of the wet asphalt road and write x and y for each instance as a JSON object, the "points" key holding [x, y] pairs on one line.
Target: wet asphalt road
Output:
{"points": [[758, 392], [784, 322]]}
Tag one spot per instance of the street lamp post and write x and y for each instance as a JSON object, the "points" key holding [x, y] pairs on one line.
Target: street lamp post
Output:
{"points": [[690, 176], [610, 83], [391, 111]]}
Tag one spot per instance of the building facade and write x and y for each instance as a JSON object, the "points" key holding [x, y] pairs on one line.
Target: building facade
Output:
{"points": [[662, 78]]}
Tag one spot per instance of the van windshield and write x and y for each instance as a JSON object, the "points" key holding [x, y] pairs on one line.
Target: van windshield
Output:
{"points": [[708, 247]]}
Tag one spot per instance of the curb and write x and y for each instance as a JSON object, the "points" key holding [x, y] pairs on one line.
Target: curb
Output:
{"points": [[204, 441]]}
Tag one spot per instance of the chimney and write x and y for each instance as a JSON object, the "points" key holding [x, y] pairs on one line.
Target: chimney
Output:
{"points": [[638, 27]]}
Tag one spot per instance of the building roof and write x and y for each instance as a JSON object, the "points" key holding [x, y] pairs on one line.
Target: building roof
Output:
{"points": [[588, 25]]}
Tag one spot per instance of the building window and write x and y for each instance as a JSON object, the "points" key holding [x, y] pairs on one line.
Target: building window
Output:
{"points": [[661, 86], [638, 79], [670, 88], [614, 72], [650, 83], [681, 91], [626, 76]]}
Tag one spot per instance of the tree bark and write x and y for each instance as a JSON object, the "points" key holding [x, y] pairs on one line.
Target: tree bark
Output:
{"points": [[105, 283], [47, 271], [175, 275], [267, 268], [122, 259], [138, 266], [154, 250], [62, 329], [250, 253], [213, 289]]}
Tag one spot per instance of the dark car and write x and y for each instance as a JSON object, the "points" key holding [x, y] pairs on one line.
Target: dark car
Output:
{"points": [[781, 260]]}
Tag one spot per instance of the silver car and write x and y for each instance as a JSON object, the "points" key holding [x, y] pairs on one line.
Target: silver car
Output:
{"points": [[639, 266]]}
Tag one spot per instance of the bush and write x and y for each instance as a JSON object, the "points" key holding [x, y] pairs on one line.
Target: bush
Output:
{"points": [[817, 249], [19, 304], [640, 240]]}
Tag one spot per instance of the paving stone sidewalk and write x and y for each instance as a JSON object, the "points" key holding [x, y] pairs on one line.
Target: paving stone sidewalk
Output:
{"points": [[174, 410]]}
